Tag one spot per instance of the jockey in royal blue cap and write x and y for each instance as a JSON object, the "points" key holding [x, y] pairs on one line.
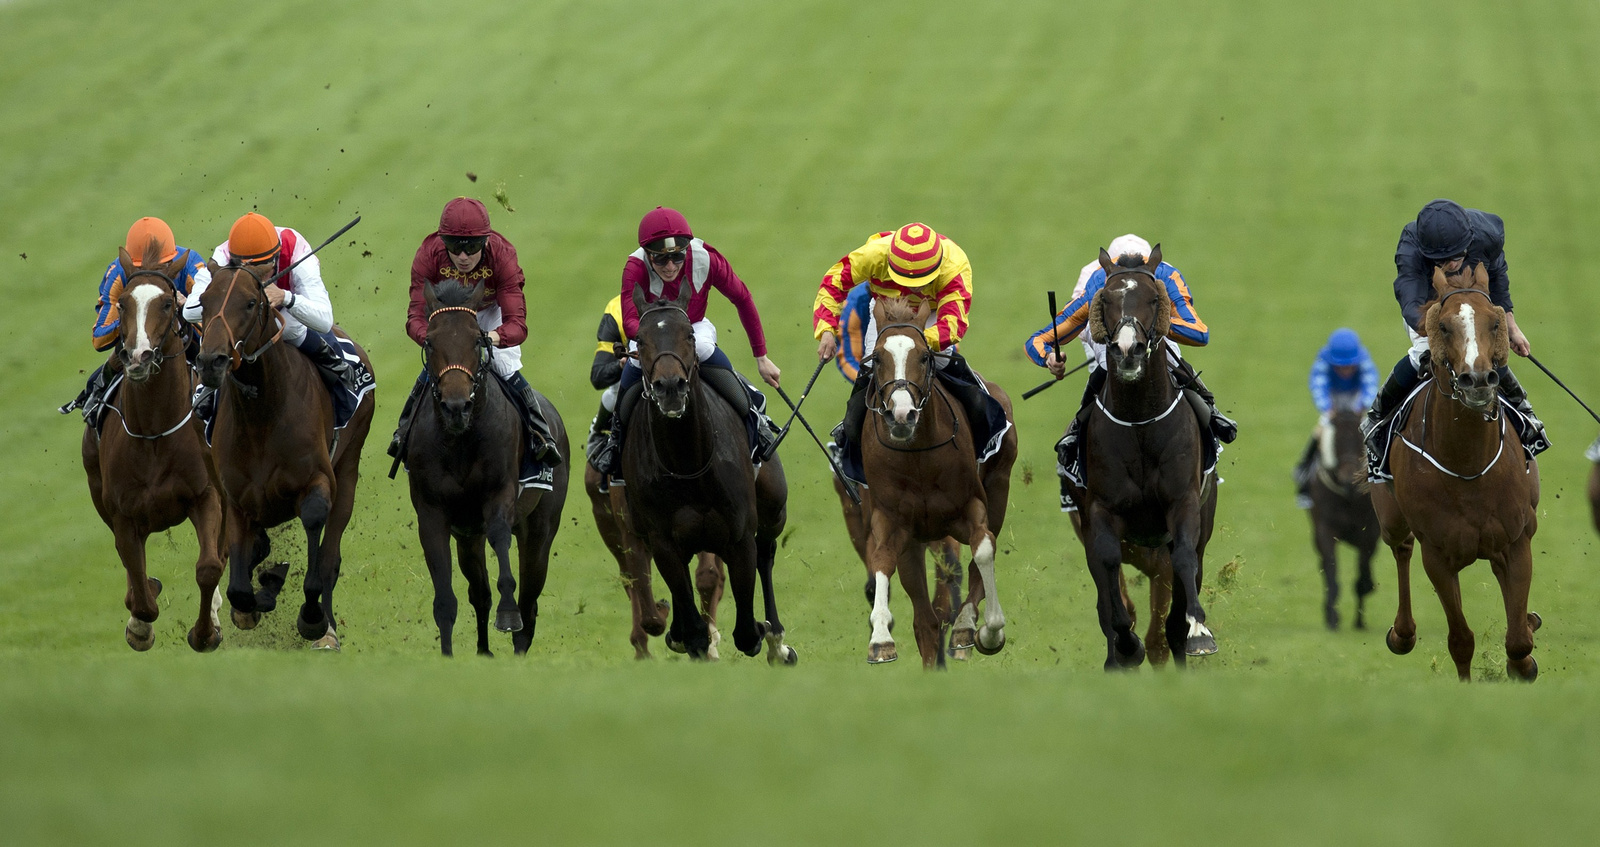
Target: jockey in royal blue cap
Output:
{"points": [[1343, 377]]}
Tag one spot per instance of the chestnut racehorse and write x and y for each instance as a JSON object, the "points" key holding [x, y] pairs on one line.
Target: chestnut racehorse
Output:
{"points": [[271, 440], [1462, 486], [926, 483], [150, 470]]}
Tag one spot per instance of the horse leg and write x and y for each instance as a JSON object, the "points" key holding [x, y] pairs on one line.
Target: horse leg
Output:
{"points": [[610, 529], [205, 514], [142, 590], [271, 579], [1515, 573], [533, 558], [316, 622], [1364, 583], [992, 635], [241, 537], [1328, 560], [964, 629], [688, 632], [709, 579], [1402, 635], [507, 617], [636, 555], [740, 558], [1160, 576], [1446, 580], [1103, 553], [474, 566], [886, 544], [1186, 629], [433, 532], [331, 557], [925, 627]]}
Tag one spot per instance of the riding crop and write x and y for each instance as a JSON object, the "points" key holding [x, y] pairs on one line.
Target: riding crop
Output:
{"points": [[342, 230], [849, 488], [1055, 343], [1564, 388], [784, 432]]}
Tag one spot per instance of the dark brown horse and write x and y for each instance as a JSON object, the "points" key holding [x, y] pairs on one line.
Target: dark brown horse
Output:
{"points": [[1144, 480], [276, 450], [151, 469], [463, 460], [610, 518], [691, 488], [1461, 485], [926, 484], [1341, 510]]}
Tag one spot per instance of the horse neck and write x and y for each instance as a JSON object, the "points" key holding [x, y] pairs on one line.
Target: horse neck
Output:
{"points": [[271, 377], [938, 422], [1145, 398], [1457, 435], [684, 441]]}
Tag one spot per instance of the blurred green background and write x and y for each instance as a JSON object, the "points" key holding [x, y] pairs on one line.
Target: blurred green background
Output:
{"points": [[1274, 150]]}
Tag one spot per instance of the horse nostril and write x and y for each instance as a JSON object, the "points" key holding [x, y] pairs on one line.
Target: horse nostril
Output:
{"points": [[1494, 378]]}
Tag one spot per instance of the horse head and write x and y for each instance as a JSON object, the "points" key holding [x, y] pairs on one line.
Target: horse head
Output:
{"points": [[148, 307], [455, 352], [1342, 452], [666, 350], [902, 350], [1131, 314], [1468, 338], [237, 320]]}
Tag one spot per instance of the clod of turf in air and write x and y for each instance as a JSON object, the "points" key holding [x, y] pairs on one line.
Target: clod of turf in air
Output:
{"points": [[500, 196]]}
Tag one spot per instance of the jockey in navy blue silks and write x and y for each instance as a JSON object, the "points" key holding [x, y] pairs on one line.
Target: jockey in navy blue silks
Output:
{"points": [[1455, 239], [1343, 377]]}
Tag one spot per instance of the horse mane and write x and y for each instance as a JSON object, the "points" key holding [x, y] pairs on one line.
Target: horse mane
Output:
{"points": [[453, 292], [1130, 260], [898, 310]]}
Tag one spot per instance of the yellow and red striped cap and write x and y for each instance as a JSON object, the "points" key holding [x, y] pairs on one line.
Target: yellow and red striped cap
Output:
{"points": [[914, 254]]}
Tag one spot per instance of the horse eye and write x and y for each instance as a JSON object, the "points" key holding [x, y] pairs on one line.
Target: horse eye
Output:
{"points": [[250, 305]]}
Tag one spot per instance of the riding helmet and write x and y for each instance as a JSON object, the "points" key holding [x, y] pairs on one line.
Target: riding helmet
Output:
{"points": [[1443, 230], [914, 254], [145, 229], [664, 229], [1128, 245], [464, 217], [252, 238], [1343, 348]]}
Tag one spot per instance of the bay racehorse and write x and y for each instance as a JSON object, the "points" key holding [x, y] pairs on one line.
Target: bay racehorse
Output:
{"points": [[690, 488], [610, 509], [1341, 510], [150, 470], [277, 453], [1145, 483], [1462, 485], [926, 483], [463, 458]]}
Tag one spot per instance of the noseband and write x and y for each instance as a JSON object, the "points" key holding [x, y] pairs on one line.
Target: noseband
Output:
{"points": [[1148, 342], [477, 377], [236, 344]]}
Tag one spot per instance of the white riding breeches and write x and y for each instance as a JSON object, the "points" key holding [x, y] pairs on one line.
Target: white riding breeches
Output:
{"points": [[1419, 345]]}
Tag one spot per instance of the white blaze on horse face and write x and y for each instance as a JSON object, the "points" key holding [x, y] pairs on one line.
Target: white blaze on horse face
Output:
{"points": [[880, 617], [899, 348], [143, 296], [1469, 331], [1126, 340]]}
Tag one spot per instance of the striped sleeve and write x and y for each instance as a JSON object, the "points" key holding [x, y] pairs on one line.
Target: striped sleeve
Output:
{"points": [[854, 337], [1066, 325], [107, 319], [950, 317], [1187, 328], [1319, 386], [830, 298]]}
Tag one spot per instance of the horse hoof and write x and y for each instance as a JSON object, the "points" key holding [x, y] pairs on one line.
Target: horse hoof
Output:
{"points": [[961, 654], [210, 644], [990, 645], [1528, 674], [1200, 645], [963, 639], [245, 620], [155, 586], [327, 643], [140, 635], [1361, 621], [1535, 621], [790, 657], [312, 631], [508, 620], [1129, 661], [266, 601], [242, 601], [675, 645], [1331, 618], [1399, 646], [881, 654]]}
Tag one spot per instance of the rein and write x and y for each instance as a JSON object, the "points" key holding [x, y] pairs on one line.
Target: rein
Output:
{"points": [[1435, 462], [234, 342]]}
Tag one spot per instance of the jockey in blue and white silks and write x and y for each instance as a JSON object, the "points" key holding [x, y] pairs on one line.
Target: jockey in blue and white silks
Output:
{"points": [[1343, 378]]}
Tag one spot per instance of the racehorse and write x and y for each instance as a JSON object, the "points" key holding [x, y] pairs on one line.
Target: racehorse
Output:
{"points": [[1458, 486], [926, 484], [277, 453], [1145, 483], [151, 469], [690, 487], [463, 459], [1341, 510], [710, 577]]}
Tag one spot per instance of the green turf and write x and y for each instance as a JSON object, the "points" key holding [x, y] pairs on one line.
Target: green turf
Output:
{"points": [[1274, 150]]}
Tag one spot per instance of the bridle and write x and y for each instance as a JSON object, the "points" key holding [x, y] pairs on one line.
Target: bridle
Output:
{"points": [[648, 372], [235, 344], [176, 326], [1456, 394], [1148, 340], [478, 377], [880, 392]]}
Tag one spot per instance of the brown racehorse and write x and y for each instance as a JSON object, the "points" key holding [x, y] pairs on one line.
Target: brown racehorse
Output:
{"points": [[927, 484], [271, 441], [1341, 510], [151, 470], [1144, 475], [710, 576], [1460, 485]]}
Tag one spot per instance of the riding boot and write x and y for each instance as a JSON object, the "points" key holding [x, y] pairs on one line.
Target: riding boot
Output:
{"points": [[743, 397], [403, 427], [331, 365], [608, 460], [1223, 427], [967, 390], [599, 432], [848, 433], [92, 392], [1533, 434], [542, 442], [1402, 380]]}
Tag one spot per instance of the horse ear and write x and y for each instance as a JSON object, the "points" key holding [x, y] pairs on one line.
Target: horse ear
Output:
{"points": [[1155, 259], [924, 309], [430, 296], [1440, 284], [175, 267], [1163, 322], [1430, 320], [1106, 263], [1480, 277], [475, 298], [125, 261], [1097, 313], [685, 290], [1502, 338]]}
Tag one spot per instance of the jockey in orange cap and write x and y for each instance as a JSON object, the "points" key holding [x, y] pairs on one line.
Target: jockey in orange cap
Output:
{"points": [[916, 263], [301, 299], [107, 319]]}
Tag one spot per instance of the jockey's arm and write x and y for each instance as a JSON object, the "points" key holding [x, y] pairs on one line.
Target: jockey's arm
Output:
{"points": [[828, 305], [723, 279], [309, 303], [1187, 328], [1066, 326]]}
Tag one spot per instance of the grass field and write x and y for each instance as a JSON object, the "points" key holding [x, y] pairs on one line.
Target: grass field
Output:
{"points": [[1274, 150]]}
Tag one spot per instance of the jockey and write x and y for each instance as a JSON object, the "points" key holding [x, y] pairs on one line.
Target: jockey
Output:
{"points": [[107, 320], [1343, 377], [604, 374], [300, 298], [1187, 329], [668, 257], [464, 248], [853, 323], [1446, 236], [922, 266]]}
